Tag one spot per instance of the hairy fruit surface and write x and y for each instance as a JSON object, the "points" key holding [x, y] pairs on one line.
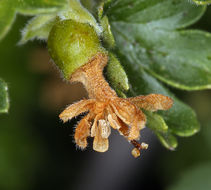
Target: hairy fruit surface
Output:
{"points": [[72, 44]]}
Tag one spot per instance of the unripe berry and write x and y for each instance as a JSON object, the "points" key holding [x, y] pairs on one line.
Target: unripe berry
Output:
{"points": [[72, 44]]}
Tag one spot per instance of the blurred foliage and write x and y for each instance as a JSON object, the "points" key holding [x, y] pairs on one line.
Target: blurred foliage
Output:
{"points": [[9, 9], [4, 99], [194, 178], [34, 152], [19, 150], [202, 2], [189, 167]]}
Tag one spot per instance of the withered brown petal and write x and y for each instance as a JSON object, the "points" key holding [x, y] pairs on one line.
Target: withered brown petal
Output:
{"points": [[82, 132], [100, 144], [125, 110], [77, 108], [136, 126], [94, 125], [105, 129], [152, 102], [112, 118]]}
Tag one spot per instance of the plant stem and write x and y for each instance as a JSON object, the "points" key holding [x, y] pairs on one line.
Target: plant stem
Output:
{"points": [[91, 75]]}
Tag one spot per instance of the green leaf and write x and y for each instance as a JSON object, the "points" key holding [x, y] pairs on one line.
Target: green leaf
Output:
{"points": [[197, 177], [175, 57], [167, 139], [202, 2], [147, 32], [157, 124], [9, 9], [181, 119], [38, 27], [166, 14], [4, 99]]}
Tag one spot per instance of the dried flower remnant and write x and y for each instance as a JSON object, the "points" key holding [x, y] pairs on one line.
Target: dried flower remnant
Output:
{"points": [[77, 51], [105, 109]]}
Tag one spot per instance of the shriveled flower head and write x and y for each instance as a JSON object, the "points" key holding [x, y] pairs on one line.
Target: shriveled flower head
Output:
{"points": [[106, 110]]}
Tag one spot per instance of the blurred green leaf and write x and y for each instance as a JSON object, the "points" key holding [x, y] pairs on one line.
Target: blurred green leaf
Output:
{"points": [[4, 99], [207, 134], [157, 124], [202, 2], [21, 148], [197, 177], [167, 139], [38, 27], [9, 8], [181, 119], [146, 32]]}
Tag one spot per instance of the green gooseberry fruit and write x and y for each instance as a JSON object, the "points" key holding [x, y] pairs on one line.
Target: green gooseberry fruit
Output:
{"points": [[72, 44]]}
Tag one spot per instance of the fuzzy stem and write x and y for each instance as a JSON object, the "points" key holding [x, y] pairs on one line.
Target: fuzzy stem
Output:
{"points": [[91, 75]]}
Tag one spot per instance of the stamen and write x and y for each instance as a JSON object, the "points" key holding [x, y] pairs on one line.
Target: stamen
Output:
{"points": [[138, 147], [135, 152], [104, 128]]}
